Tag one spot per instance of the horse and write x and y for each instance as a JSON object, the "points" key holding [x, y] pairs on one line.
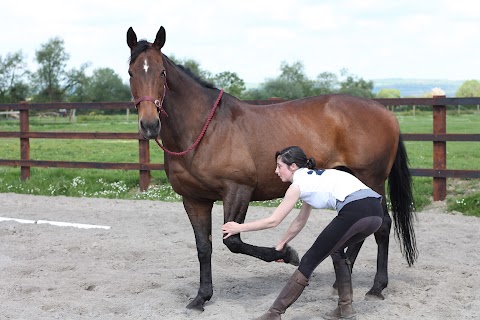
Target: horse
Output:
{"points": [[217, 147]]}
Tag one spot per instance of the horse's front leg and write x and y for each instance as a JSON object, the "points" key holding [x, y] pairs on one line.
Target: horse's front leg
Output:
{"points": [[200, 215], [268, 254], [235, 205]]}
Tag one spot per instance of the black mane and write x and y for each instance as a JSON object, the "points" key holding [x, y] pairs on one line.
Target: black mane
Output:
{"points": [[195, 77], [144, 45]]}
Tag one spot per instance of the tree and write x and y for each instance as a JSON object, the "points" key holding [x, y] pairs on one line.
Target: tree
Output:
{"points": [[230, 82], [281, 88], [194, 67], [13, 74], [470, 88], [227, 80], [52, 81], [255, 94], [105, 85], [388, 93], [291, 84], [355, 86], [294, 75], [326, 82]]}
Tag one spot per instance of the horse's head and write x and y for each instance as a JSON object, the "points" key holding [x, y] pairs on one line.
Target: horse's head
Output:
{"points": [[148, 81]]}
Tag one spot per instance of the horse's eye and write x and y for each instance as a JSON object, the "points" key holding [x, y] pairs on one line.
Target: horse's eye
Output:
{"points": [[163, 73]]}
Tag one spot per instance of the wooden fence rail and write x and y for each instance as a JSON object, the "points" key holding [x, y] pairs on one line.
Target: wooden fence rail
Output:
{"points": [[439, 137]]}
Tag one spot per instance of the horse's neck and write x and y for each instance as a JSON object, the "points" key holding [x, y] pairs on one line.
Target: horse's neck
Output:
{"points": [[185, 91], [188, 105]]}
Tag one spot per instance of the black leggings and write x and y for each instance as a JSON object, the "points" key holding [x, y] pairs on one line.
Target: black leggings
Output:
{"points": [[355, 221]]}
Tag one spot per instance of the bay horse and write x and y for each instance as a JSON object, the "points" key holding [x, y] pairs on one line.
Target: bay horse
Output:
{"points": [[218, 147]]}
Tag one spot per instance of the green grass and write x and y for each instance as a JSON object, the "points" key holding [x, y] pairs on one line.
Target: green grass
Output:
{"points": [[115, 184], [460, 155], [462, 195], [121, 184]]}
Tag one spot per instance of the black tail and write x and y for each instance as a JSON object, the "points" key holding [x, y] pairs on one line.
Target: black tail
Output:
{"points": [[401, 199]]}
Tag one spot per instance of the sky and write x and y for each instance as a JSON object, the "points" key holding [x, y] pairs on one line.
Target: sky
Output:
{"points": [[372, 39]]}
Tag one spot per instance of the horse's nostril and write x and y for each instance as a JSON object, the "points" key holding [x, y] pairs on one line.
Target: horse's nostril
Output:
{"points": [[150, 129], [143, 126]]}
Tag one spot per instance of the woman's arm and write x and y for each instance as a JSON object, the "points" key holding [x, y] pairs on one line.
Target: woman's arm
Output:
{"points": [[297, 225], [288, 203]]}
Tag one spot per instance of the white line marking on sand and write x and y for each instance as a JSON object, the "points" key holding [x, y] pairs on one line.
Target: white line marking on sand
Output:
{"points": [[57, 223]]}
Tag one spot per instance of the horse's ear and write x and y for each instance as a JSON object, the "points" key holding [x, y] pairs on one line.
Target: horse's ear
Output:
{"points": [[160, 39], [131, 38]]}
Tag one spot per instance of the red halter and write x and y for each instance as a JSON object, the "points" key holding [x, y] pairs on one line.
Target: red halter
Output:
{"points": [[157, 102]]}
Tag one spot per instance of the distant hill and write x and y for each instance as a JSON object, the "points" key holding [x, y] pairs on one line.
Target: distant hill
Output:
{"points": [[417, 87]]}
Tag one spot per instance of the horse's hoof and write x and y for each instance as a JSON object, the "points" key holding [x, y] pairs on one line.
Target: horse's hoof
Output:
{"points": [[196, 305], [371, 295], [191, 313], [291, 256], [334, 291]]}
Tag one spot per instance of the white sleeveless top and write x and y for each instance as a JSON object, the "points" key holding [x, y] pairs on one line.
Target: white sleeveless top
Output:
{"points": [[326, 189]]}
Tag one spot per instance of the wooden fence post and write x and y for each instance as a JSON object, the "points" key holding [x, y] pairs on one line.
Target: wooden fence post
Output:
{"points": [[24, 144], [144, 157], [439, 150]]}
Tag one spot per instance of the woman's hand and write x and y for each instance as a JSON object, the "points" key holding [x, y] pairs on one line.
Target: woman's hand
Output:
{"points": [[230, 228], [280, 247], [288, 203]]}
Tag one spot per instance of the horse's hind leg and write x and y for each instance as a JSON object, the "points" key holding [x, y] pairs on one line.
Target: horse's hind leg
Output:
{"points": [[382, 237], [200, 215]]}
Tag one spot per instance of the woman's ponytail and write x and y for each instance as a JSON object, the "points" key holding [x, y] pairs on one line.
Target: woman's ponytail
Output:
{"points": [[311, 164]]}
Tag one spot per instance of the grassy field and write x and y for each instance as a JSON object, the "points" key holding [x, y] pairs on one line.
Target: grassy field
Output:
{"points": [[463, 195]]}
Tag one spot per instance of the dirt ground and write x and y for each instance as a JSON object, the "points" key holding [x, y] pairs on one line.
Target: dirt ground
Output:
{"points": [[145, 266]]}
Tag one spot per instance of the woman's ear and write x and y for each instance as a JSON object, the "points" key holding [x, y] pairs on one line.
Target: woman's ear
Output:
{"points": [[293, 167]]}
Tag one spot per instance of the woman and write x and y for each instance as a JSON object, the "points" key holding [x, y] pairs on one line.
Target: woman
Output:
{"points": [[359, 215]]}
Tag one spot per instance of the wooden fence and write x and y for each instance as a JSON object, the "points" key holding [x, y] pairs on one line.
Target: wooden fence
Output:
{"points": [[439, 137]]}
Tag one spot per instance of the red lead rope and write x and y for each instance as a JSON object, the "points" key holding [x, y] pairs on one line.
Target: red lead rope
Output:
{"points": [[172, 153]]}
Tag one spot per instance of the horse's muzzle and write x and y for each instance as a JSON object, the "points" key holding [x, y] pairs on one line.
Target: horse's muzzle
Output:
{"points": [[149, 129]]}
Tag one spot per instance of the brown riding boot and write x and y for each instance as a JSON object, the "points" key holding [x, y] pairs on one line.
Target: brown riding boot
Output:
{"points": [[344, 309], [289, 294]]}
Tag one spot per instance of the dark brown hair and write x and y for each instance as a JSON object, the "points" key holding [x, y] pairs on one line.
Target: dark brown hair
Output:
{"points": [[295, 155]]}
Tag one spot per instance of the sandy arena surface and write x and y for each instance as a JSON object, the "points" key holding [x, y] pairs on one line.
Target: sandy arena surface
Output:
{"points": [[145, 266]]}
